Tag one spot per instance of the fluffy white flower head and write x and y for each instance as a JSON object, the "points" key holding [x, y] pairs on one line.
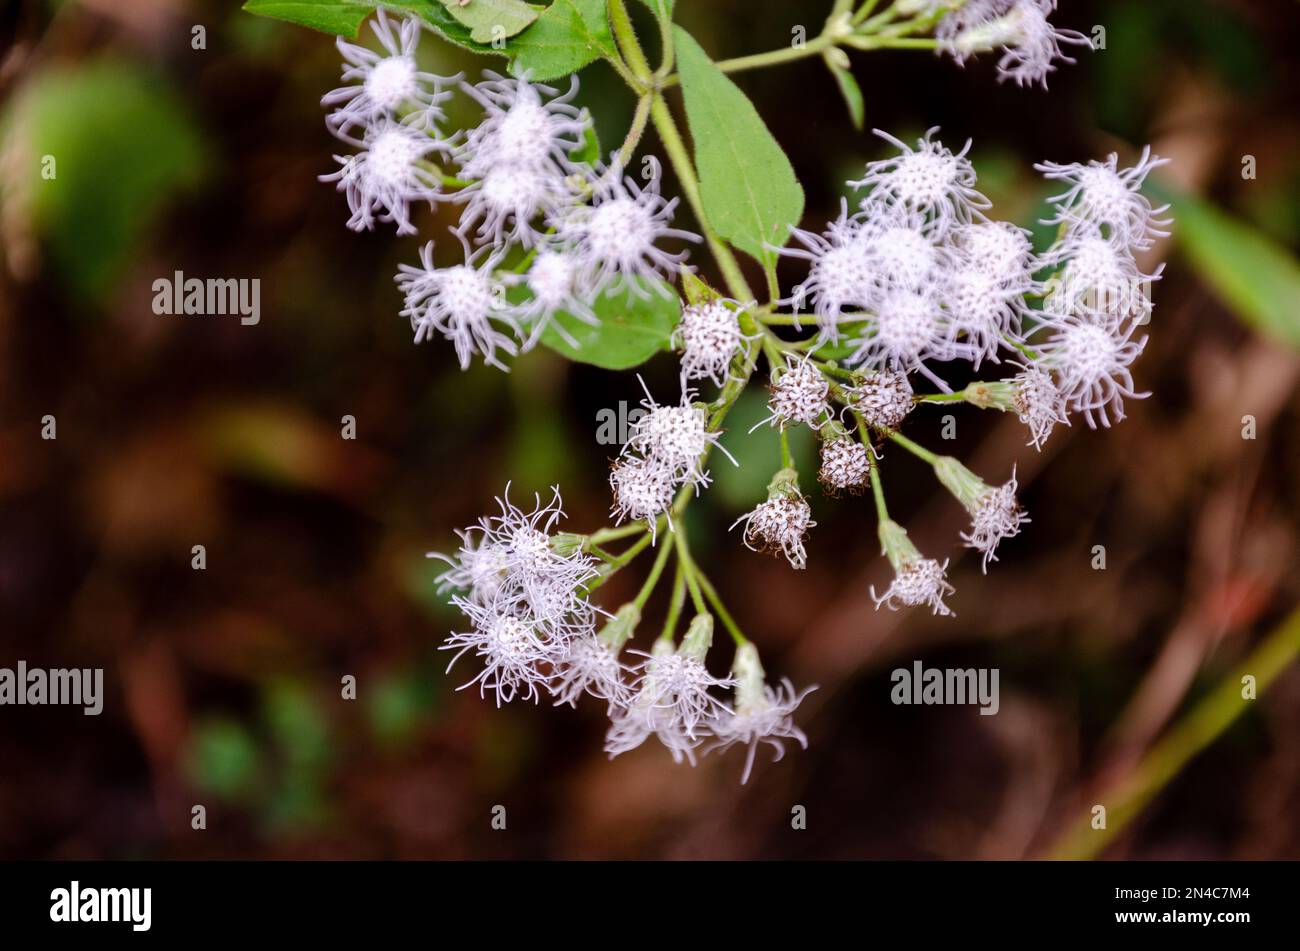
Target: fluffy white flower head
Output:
{"points": [[387, 176]]}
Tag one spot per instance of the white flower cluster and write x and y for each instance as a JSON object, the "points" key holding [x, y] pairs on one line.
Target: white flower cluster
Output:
{"points": [[1031, 46], [586, 229], [919, 276], [522, 588]]}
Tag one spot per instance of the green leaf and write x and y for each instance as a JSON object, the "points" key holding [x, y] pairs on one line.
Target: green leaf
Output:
{"points": [[747, 186], [589, 151], [490, 20], [1256, 277], [344, 17], [340, 17], [630, 332], [654, 6], [850, 90], [100, 149], [566, 37]]}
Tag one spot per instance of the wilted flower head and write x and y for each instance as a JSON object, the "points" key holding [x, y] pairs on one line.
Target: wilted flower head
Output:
{"points": [[995, 512], [762, 713], [460, 302], [917, 580], [708, 336], [846, 465], [883, 398], [780, 524], [1039, 403], [798, 395]]}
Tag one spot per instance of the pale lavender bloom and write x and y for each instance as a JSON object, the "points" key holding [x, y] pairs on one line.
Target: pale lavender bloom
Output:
{"points": [[1090, 358], [930, 180], [1102, 195], [463, 303], [524, 123], [382, 86], [388, 175]]}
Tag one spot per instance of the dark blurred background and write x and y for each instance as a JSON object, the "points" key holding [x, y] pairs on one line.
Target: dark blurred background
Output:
{"points": [[223, 684]]}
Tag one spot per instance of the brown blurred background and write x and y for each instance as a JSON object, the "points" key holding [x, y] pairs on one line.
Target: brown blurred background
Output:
{"points": [[223, 685]]}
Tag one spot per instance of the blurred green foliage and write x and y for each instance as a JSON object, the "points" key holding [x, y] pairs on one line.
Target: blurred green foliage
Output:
{"points": [[106, 146]]}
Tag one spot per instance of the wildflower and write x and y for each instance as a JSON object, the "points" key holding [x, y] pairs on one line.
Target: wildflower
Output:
{"points": [[846, 465], [460, 302], [917, 580], [898, 250], [999, 248], [382, 85], [1091, 360], [507, 199], [525, 124], [671, 698], [643, 489], [995, 513], [1039, 403], [555, 281], [1102, 195], [798, 395], [1031, 45], [617, 237], [909, 328], [388, 175], [675, 438], [981, 310], [883, 399], [708, 336], [930, 180], [511, 561], [781, 523], [839, 272], [513, 652], [762, 714], [592, 666], [1099, 277]]}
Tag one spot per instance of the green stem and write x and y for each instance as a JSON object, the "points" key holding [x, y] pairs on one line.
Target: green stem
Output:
{"points": [[878, 493], [1164, 761], [786, 462], [625, 36], [721, 610], [916, 450], [675, 603], [688, 569], [652, 579], [639, 119]]}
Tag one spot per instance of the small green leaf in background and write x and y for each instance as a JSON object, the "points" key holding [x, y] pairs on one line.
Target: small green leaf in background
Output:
{"points": [[747, 186], [222, 758], [490, 20], [630, 332], [589, 152], [566, 37], [1257, 278], [849, 87], [122, 145]]}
